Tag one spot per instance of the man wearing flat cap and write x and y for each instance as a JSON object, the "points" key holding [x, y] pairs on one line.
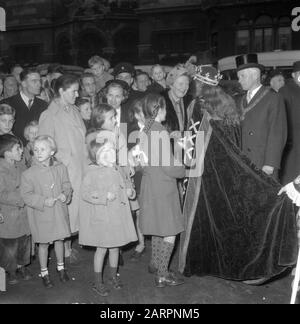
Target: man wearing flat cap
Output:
{"points": [[291, 157], [264, 126]]}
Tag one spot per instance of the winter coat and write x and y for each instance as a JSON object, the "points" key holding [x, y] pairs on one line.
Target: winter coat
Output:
{"points": [[291, 157], [47, 224], [65, 125], [160, 211], [105, 223], [264, 129], [12, 206]]}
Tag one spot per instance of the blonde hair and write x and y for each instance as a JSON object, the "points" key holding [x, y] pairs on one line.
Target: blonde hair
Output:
{"points": [[48, 139], [33, 123]]}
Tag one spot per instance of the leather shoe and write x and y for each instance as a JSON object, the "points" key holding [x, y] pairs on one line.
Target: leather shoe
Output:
{"points": [[12, 279], [24, 273], [63, 276], [169, 280], [47, 282]]}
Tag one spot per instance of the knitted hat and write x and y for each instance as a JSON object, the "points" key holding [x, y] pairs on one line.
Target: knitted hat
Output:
{"points": [[207, 74], [175, 73]]}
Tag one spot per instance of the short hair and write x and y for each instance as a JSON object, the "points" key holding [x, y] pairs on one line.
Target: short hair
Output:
{"points": [[64, 82], [93, 147], [81, 101], [48, 139], [155, 66], [6, 109], [7, 142], [15, 66], [95, 60], [33, 123], [86, 75], [115, 84], [9, 76], [24, 74], [140, 72], [98, 115]]}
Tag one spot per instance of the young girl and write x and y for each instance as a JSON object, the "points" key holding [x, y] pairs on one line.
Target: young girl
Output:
{"points": [[105, 217], [46, 190], [160, 214], [30, 133]]}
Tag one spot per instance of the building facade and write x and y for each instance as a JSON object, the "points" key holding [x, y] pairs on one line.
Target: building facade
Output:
{"points": [[143, 31]]}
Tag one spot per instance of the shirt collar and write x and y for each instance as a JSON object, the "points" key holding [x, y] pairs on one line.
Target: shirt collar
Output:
{"points": [[254, 92], [25, 98]]}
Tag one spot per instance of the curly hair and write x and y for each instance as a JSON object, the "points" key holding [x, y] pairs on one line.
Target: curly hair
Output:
{"points": [[219, 104]]}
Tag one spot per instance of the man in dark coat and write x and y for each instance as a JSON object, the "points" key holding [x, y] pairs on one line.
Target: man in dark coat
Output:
{"points": [[28, 107], [264, 125], [291, 156]]}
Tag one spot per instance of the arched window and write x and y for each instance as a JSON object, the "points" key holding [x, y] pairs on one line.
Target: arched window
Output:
{"points": [[263, 34], [284, 34], [242, 37]]}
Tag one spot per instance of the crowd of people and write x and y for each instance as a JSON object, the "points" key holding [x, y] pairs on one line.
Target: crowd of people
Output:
{"points": [[70, 166]]}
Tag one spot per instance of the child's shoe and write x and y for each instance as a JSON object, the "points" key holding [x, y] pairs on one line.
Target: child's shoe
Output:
{"points": [[47, 282], [101, 289], [63, 276], [12, 278], [116, 282], [24, 273]]}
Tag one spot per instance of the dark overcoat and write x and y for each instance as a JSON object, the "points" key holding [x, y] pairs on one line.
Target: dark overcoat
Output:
{"points": [[291, 155], [264, 128]]}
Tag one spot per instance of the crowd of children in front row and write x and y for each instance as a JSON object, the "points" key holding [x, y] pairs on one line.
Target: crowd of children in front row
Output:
{"points": [[35, 190]]}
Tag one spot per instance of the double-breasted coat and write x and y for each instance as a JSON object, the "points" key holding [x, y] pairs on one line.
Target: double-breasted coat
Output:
{"points": [[105, 223], [264, 128], [65, 125], [291, 157], [47, 224], [160, 211], [12, 206]]}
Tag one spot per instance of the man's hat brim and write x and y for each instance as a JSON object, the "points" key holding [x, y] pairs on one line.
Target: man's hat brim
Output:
{"points": [[249, 66]]}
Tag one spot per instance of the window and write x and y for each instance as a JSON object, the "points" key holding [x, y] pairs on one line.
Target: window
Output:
{"points": [[242, 37], [263, 34], [27, 53], [284, 34]]}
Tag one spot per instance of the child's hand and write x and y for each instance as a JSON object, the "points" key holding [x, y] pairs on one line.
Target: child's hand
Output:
{"points": [[111, 196], [49, 202], [131, 193], [62, 197]]}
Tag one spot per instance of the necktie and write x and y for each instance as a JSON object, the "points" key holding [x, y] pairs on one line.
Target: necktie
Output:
{"points": [[249, 96], [180, 115], [30, 102]]}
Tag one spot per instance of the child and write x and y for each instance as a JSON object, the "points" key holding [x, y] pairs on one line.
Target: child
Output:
{"points": [[46, 190], [105, 217], [30, 134], [85, 109], [160, 214], [14, 229], [7, 119]]}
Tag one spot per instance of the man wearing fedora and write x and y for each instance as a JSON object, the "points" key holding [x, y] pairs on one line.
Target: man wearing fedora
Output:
{"points": [[291, 156], [263, 118]]}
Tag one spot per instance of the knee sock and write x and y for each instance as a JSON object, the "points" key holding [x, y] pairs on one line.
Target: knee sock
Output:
{"points": [[60, 266], [155, 253], [98, 278], [113, 272], [164, 259]]}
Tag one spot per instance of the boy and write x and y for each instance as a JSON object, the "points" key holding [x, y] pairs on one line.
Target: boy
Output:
{"points": [[7, 119], [14, 231]]}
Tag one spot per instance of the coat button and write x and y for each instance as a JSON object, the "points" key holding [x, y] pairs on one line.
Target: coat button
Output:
{"points": [[251, 133], [248, 150]]}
